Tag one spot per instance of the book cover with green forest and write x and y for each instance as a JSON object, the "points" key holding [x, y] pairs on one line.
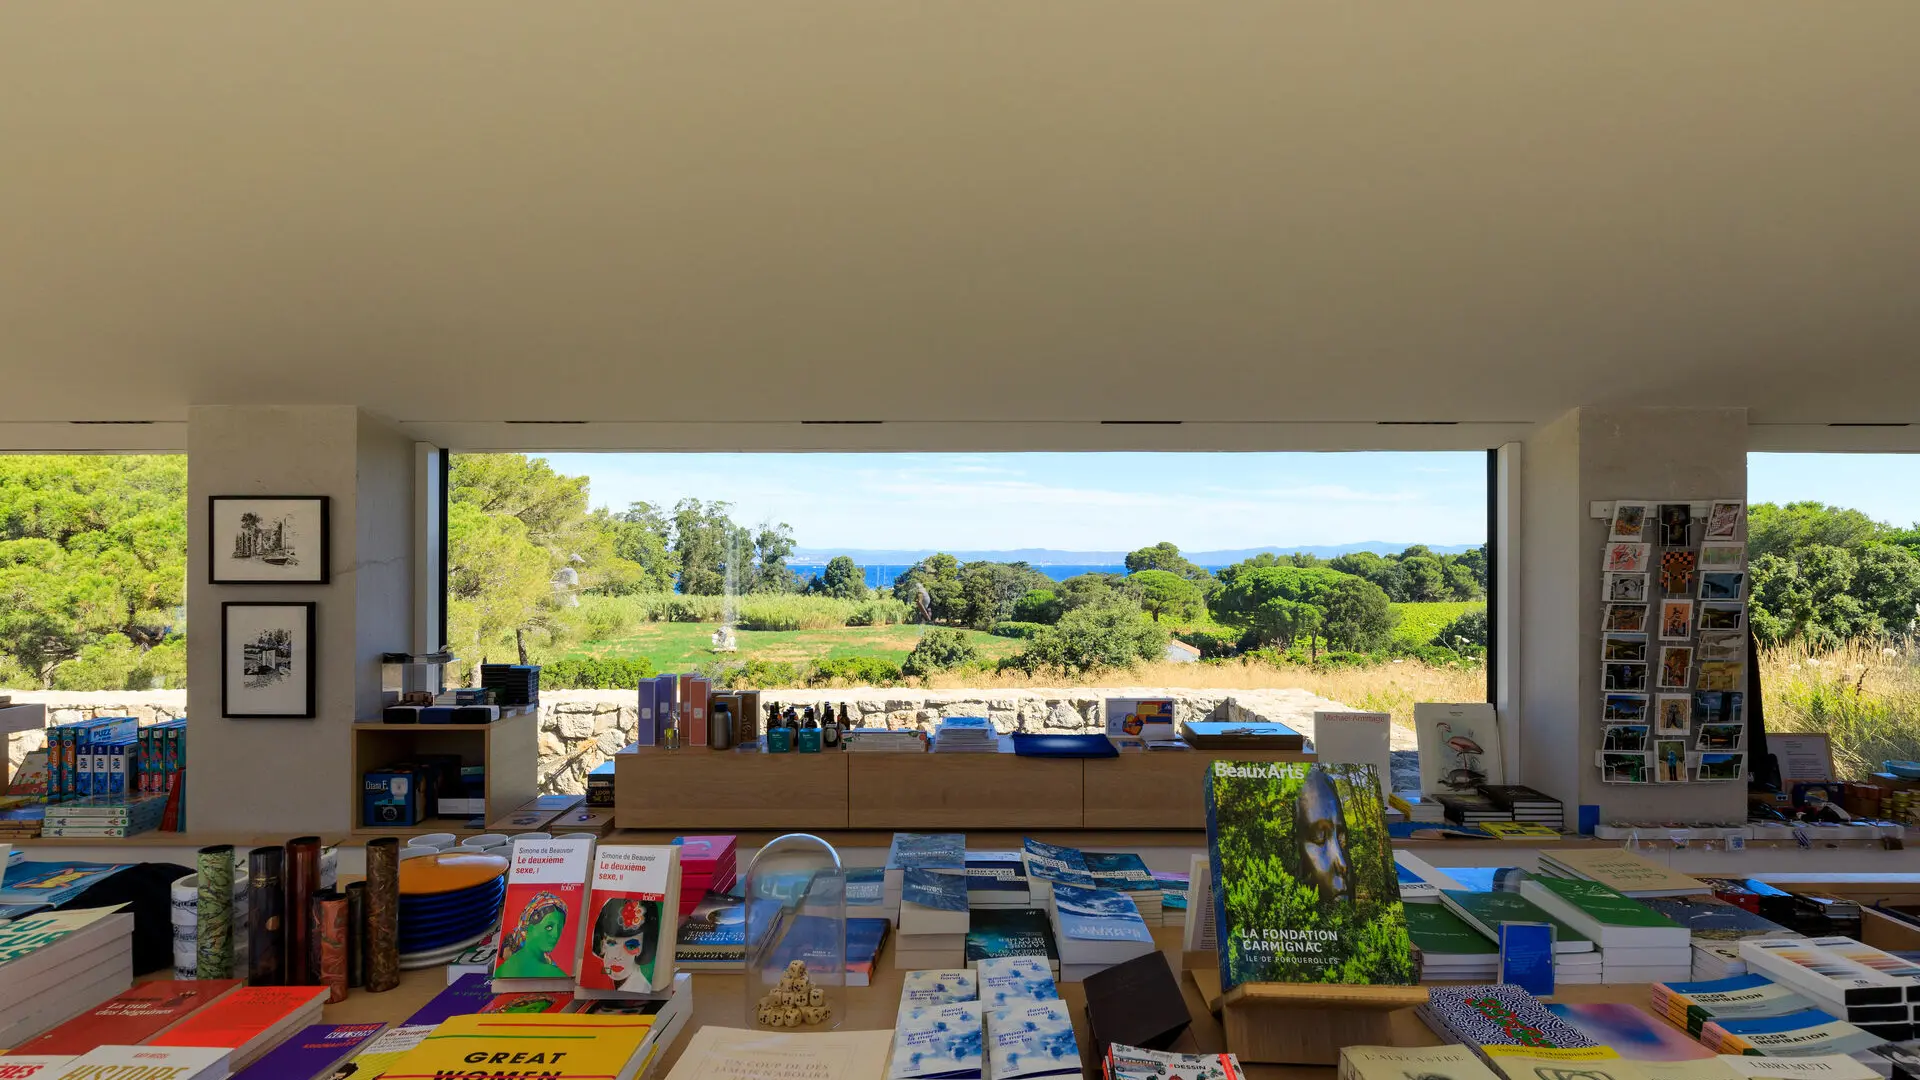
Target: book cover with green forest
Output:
{"points": [[1304, 884]]}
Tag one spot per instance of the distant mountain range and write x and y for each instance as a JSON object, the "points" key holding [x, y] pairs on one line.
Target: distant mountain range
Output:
{"points": [[1056, 557]]}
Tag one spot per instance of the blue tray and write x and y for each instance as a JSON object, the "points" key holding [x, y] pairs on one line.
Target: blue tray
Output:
{"points": [[1063, 746]]}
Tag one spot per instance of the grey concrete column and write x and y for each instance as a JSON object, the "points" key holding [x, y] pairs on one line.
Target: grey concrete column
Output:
{"points": [[293, 776]]}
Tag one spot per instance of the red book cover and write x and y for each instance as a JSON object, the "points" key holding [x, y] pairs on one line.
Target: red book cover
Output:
{"points": [[703, 855], [240, 1017], [131, 1018], [530, 1001], [540, 920], [630, 945]]}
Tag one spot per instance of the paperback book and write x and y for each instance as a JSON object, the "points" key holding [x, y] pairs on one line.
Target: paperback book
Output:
{"points": [[1498, 1015], [541, 923], [312, 1053], [1631, 1031], [634, 901], [938, 1042], [173, 1063], [923, 988], [1402, 1062], [555, 1047], [713, 936], [1798, 1034], [1318, 895], [1048, 864], [1009, 980], [1690, 1005], [1031, 1039], [1000, 932], [465, 995], [130, 1018], [1459, 747]]}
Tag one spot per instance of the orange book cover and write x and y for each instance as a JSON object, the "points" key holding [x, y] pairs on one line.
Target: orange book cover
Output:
{"points": [[241, 1016], [131, 1018]]}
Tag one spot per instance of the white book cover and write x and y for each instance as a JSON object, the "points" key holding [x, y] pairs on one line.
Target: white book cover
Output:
{"points": [[633, 908], [1355, 738], [939, 987], [937, 1041], [1459, 747], [170, 1062], [27, 1067], [1011, 980], [1816, 1067], [723, 1053], [1031, 1040], [1198, 935]]}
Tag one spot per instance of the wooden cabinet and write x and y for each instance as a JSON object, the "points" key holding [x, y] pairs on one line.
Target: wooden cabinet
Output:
{"points": [[964, 791], [1163, 789], [509, 748]]}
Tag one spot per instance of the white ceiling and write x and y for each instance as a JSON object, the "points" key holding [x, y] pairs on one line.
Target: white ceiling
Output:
{"points": [[947, 210]]}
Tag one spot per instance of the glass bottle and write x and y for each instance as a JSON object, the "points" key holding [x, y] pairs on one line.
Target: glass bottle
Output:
{"points": [[829, 730], [846, 723], [808, 721]]}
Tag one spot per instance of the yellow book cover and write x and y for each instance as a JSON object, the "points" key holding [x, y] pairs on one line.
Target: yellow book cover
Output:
{"points": [[1520, 830], [1544, 1063], [505, 1046]]}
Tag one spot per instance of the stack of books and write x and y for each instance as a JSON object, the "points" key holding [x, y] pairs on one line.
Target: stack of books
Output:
{"points": [[1095, 929], [1526, 804], [616, 1047], [1622, 871], [713, 936], [1796, 1035], [707, 864], [512, 684], [1637, 944], [938, 1032], [1425, 809], [248, 1022], [1464, 810], [995, 933], [174, 1063], [312, 1054], [130, 1018], [1575, 960], [926, 878], [1173, 897], [57, 964], [1691, 1005], [1397, 1062], [1224, 735], [1718, 928], [997, 879], [1499, 1015], [104, 816], [1048, 865], [1831, 972], [1451, 950], [883, 740], [1126, 872], [1420, 881], [965, 735]]}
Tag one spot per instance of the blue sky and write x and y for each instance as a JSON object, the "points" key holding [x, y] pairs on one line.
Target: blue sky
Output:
{"points": [[1885, 486], [1085, 501]]}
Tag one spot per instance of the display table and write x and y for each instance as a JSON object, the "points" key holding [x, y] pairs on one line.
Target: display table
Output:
{"points": [[695, 789]]}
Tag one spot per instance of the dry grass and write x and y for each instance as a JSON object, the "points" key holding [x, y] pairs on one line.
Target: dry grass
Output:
{"points": [[1865, 696], [1390, 688]]}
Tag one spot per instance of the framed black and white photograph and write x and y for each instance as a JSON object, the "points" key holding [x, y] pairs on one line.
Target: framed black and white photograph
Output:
{"points": [[267, 540], [266, 660]]}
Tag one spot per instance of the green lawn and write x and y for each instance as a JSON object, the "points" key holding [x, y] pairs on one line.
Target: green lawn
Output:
{"points": [[679, 646], [1419, 622]]}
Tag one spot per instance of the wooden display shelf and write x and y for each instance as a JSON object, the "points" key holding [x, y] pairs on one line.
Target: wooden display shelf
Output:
{"points": [[509, 748], [698, 789], [959, 791]]}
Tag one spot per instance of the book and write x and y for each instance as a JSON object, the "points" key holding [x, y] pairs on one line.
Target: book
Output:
{"points": [[1138, 1063], [921, 988], [1400, 1062], [311, 1053], [938, 1042], [1557, 1063], [142, 1062], [1137, 1003], [996, 879], [33, 1066], [42, 941], [375, 1058], [1096, 927], [1126, 872], [865, 939], [1029, 1040], [1717, 929], [1826, 976], [1527, 804], [467, 994], [1451, 950], [1529, 831], [130, 1018], [723, 1053], [1485, 911], [927, 851], [1621, 871], [1324, 896], [1471, 809], [1604, 915], [1459, 747], [1047, 864], [1421, 882], [542, 929], [1355, 738], [528, 1002], [1631, 1031], [999, 932], [248, 1021], [1005, 980], [1798, 1034], [1200, 934], [1225, 735], [1482, 1016], [567, 1046], [1813, 1067], [634, 903], [933, 901], [713, 937], [1690, 1005]]}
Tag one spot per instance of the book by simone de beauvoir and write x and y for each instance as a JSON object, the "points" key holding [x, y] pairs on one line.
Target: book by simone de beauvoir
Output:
{"points": [[1303, 878]]}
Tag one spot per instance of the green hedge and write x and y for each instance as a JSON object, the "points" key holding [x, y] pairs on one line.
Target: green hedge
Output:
{"points": [[1026, 631], [596, 673]]}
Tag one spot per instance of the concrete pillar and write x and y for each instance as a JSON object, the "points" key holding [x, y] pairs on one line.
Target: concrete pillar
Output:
{"points": [[293, 776], [1592, 455]]}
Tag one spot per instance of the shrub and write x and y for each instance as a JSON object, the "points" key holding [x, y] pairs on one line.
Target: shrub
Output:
{"points": [[882, 611], [1012, 629], [1096, 639], [942, 649], [1212, 643], [602, 618], [856, 671], [1038, 606], [1471, 626], [596, 673]]}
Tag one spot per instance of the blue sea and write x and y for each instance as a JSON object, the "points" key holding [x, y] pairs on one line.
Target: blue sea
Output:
{"points": [[883, 577]]}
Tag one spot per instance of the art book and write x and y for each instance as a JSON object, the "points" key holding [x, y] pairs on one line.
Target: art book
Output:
{"points": [[130, 1018], [928, 851], [541, 931], [1690, 1005], [1317, 895], [1497, 1015], [994, 932], [1047, 864], [1399, 1062], [1631, 1031], [934, 987], [568, 1046], [1459, 747], [1354, 738], [634, 902]]}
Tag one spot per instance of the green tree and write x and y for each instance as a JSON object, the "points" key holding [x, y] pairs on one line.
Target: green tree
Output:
{"points": [[940, 575], [641, 537], [1092, 639], [939, 649], [772, 546], [1276, 603], [498, 585], [1357, 616], [1808, 598], [1038, 606], [1469, 629], [92, 570], [1784, 530], [1426, 579], [1166, 556], [1387, 573], [706, 541], [1163, 592], [1087, 590], [989, 590], [840, 579]]}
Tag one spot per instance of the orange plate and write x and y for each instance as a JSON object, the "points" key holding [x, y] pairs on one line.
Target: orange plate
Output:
{"points": [[449, 871]]}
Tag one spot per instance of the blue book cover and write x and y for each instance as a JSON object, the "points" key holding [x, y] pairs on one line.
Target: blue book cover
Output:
{"points": [[979, 723], [1031, 1040], [1099, 915], [1121, 870], [53, 883], [996, 872], [866, 886], [311, 1052], [864, 938], [933, 889], [938, 1042], [464, 996], [1057, 864], [928, 851], [1010, 932], [1173, 891], [936, 986], [1526, 957], [1712, 919], [1014, 980], [647, 732]]}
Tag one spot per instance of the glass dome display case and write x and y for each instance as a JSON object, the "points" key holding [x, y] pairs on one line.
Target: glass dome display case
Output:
{"points": [[796, 922]]}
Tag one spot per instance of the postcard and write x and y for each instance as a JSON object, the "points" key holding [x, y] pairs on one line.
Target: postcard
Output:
{"points": [[1673, 712], [1722, 556], [1628, 647], [1722, 585], [1628, 738], [1626, 558], [1723, 520], [1722, 767], [1620, 768], [1722, 675], [1723, 645], [1629, 520], [1625, 709], [1626, 619], [1630, 588], [1721, 736], [1670, 761], [1717, 707], [1627, 677], [1723, 617], [1676, 667], [1676, 620], [1675, 523], [1676, 572]]}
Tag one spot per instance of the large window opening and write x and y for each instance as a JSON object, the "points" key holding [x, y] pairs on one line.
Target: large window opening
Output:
{"points": [[1352, 578], [1834, 544]]}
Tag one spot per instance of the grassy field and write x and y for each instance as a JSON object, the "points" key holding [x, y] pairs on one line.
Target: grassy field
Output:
{"points": [[1865, 696], [1419, 622], [680, 646]]}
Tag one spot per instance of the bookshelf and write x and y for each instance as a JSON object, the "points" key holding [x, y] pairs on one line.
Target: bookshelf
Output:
{"points": [[508, 747]]}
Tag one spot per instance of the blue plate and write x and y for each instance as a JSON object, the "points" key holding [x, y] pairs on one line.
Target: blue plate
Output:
{"points": [[1905, 770], [1081, 746]]}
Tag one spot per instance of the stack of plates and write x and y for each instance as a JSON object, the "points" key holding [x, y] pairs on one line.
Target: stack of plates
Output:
{"points": [[448, 903]]}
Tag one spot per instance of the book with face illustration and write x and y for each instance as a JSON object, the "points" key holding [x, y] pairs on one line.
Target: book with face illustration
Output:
{"points": [[632, 908], [541, 931]]}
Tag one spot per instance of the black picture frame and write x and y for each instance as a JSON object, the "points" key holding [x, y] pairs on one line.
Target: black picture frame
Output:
{"points": [[221, 562], [309, 618]]}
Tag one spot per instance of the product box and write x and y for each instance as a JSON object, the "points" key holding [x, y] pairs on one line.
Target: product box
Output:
{"points": [[600, 781], [393, 796]]}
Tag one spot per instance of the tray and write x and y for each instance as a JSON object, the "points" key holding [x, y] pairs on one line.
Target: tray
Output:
{"points": [[1063, 746]]}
